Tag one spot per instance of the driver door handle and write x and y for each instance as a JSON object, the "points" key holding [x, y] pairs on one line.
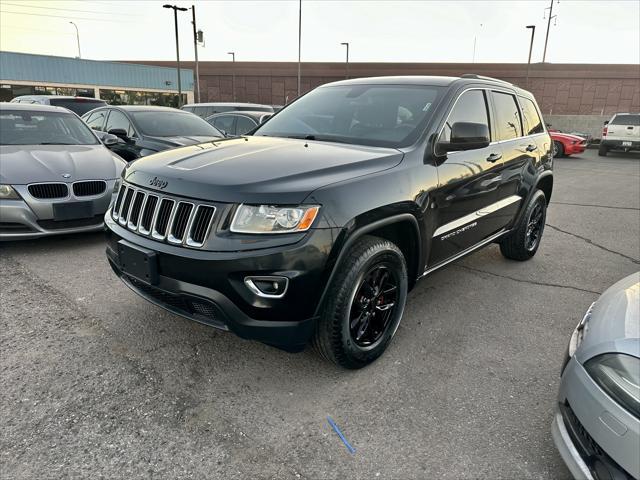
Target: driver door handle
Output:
{"points": [[531, 148], [494, 157]]}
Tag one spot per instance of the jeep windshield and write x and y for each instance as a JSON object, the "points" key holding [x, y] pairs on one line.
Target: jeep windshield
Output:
{"points": [[374, 115]]}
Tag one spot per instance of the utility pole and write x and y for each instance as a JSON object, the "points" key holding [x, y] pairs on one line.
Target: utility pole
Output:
{"points": [[175, 21], [533, 32], [195, 49], [233, 74], [546, 40], [77, 38], [346, 44], [299, 41], [475, 41]]}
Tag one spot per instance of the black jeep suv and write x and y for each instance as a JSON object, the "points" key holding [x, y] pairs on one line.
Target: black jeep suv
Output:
{"points": [[316, 226]]}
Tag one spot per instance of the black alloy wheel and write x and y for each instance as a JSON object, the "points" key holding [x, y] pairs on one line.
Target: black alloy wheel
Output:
{"points": [[534, 228], [373, 305]]}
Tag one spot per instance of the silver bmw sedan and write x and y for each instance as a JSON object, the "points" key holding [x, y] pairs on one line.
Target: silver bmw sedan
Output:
{"points": [[56, 176], [597, 425]]}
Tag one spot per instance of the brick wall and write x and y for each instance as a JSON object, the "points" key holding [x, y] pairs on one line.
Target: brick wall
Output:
{"points": [[561, 89]]}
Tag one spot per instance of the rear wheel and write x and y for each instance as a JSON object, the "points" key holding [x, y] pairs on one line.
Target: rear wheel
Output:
{"points": [[523, 242], [558, 149], [364, 304], [602, 150]]}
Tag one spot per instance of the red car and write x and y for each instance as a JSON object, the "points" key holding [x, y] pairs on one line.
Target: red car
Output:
{"points": [[565, 144]]}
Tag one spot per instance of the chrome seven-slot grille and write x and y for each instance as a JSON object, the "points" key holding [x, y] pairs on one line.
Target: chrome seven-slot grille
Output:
{"points": [[178, 222]]}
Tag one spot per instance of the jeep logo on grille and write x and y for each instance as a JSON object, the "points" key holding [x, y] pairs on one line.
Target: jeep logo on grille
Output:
{"points": [[156, 182]]}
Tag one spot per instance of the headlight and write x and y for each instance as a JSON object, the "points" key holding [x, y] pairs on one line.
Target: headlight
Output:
{"points": [[7, 192], [618, 375], [273, 219]]}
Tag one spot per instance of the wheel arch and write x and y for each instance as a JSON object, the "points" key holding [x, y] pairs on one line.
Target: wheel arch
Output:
{"points": [[401, 229]]}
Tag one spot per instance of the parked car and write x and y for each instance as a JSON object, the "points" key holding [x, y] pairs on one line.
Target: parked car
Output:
{"points": [[79, 105], [622, 132], [55, 176], [143, 130], [597, 425], [234, 124], [317, 225], [205, 110], [565, 144]]}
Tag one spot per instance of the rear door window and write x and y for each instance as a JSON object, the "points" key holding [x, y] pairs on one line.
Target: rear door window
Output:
{"points": [[508, 121]]}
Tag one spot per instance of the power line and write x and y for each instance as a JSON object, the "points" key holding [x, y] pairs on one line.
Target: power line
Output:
{"points": [[67, 9]]}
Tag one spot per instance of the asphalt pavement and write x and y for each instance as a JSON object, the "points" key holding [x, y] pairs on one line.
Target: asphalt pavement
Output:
{"points": [[96, 382]]}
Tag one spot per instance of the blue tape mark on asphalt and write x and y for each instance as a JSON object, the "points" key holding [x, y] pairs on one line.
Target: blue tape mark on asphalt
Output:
{"points": [[344, 440]]}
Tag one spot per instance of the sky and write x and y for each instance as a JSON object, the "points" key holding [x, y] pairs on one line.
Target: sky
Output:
{"points": [[584, 31]]}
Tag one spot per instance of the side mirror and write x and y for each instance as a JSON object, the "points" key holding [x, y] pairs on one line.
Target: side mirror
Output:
{"points": [[265, 118], [468, 136], [109, 140], [606, 122], [119, 132]]}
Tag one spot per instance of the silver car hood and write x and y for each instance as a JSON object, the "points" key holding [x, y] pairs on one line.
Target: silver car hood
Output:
{"points": [[22, 164], [614, 325]]}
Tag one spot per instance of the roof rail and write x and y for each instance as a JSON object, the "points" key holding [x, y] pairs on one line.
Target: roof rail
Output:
{"points": [[481, 77]]}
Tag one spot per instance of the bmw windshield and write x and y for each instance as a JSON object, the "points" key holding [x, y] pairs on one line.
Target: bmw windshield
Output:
{"points": [[375, 115], [23, 127]]}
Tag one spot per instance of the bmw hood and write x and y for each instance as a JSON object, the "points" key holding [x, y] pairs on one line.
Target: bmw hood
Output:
{"points": [[23, 164], [257, 169], [614, 323]]}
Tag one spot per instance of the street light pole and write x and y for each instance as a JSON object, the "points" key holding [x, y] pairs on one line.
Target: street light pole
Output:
{"points": [[299, 40], [233, 74], [346, 44], [77, 38], [533, 32], [175, 21], [195, 49]]}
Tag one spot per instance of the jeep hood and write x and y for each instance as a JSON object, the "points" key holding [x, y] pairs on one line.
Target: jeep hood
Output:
{"points": [[23, 164], [181, 141], [257, 169]]}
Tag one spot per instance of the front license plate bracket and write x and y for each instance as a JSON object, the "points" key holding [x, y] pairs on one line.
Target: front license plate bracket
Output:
{"points": [[138, 262]]}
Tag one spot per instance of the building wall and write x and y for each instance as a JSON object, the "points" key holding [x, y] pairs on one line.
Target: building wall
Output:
{"points": [[561, 89]]}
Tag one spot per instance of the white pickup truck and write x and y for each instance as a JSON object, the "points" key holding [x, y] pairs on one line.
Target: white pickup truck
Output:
{"points": [[622, 132]]}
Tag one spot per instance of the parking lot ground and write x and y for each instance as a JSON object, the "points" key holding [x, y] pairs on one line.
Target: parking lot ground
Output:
{"points": [[98, 382]]}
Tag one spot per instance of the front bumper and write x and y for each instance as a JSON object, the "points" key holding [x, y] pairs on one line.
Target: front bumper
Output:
{"points": [[19, 222], [592, 432], [576, 148], [208, 286]]}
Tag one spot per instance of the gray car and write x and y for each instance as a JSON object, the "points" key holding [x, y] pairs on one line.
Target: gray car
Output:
{"points": [[597, 425], [55, 174]]}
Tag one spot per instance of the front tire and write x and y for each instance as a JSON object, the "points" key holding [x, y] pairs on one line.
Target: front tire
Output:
{"points": [[364, 304], [602, 150], [558, 149], [522, 244]]}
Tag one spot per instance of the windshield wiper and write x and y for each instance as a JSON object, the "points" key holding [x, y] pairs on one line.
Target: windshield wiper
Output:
{"points": [[320, 138], [55, 143]]}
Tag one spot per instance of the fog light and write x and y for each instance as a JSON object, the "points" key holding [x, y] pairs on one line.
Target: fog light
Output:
{"points": [[267, 286]]}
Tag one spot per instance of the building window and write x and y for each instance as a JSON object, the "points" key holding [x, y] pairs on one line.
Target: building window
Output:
{"points": [[135, 97]]}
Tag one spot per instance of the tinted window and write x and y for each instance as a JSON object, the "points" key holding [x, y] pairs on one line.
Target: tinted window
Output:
{"points": [[225, 123], [119, 120], [43, 128], [626, 120], [470, 107], [377, 115], [244, 125], [95, 120], [188, 109], [533, 121], [508, 123], [77, 105], [171, 124]]}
